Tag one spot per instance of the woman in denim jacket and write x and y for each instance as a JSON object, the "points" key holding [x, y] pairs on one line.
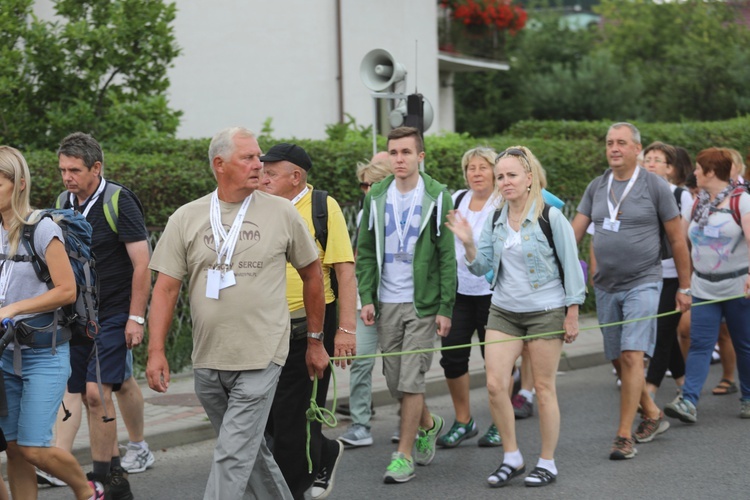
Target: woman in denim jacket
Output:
{"points": [[529, 298]]}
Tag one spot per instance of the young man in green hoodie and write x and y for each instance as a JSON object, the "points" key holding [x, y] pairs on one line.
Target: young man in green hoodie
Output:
{"points": [[406, 271]]}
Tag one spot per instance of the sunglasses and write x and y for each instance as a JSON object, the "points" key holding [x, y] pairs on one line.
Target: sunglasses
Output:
{"points": [[511, 152], [365, 185]]}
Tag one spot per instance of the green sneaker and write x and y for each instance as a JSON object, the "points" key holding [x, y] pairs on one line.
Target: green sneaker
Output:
{"points": [[400, 470], [457, 433], [425, 444], [490, 438]]}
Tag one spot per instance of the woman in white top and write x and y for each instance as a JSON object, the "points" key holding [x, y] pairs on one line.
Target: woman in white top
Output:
{"points": [[472, 298], [539, 289]]}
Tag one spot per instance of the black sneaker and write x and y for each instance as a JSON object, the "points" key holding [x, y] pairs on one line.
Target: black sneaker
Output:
{"points": [[119, 486], [323, 484]]}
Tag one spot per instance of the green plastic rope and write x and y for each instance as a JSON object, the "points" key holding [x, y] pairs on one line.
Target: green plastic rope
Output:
{"points": [[317, 414]]}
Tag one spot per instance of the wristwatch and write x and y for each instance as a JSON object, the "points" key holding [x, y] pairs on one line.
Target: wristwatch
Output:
{"points": [[138, 319], [685, 291], [315, 335]]}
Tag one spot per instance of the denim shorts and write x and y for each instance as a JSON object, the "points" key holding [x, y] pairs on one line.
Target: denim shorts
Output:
{"points": [[113, 353], [35, 396], [638, 302]]}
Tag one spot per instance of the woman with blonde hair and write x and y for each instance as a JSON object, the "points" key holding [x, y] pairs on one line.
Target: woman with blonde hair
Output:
{"points": [[538, 287], [36, 367]]}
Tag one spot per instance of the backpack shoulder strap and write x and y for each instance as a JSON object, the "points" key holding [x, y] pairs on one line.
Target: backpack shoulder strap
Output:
{"points": [[62, 200], [320, 216], [544, 225], [678, 197], [495, 216], [27, 238], [460, 197], [734, 204], [111, 203]]}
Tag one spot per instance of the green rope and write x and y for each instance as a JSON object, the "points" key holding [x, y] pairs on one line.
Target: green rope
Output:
{"points": [[318, 414]]}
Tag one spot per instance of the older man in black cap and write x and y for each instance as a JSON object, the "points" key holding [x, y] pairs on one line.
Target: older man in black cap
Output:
{"points": [[285, 168]]}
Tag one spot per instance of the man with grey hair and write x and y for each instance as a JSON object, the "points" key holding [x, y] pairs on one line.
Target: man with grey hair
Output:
{"points": [[233, 245], [120, 243], [629, 206]]}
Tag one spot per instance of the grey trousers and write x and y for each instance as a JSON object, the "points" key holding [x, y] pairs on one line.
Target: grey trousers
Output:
{"points": [[237, 404]]}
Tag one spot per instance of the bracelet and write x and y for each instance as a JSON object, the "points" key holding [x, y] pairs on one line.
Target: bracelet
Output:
{"points": [[685, 291], [347, 331]]}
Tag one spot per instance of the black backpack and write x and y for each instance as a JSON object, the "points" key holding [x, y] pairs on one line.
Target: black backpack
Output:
{"points": [[320, 224]]}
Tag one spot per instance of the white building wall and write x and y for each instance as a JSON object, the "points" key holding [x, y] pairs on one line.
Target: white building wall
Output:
{"points": [[243, 61]]}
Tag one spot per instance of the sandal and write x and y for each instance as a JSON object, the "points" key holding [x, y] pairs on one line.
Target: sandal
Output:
{"points": [[504, 474], [724, 387], [540, 477]]}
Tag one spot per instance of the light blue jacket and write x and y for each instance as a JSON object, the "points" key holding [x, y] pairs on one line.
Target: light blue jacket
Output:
{"points": [[541, 266]]}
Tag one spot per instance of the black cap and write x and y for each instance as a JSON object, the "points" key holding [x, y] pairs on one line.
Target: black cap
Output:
{"points": [[288, 152]]}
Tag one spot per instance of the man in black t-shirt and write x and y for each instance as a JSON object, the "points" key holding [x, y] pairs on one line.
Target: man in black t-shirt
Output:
{"points": [[122, 253]]}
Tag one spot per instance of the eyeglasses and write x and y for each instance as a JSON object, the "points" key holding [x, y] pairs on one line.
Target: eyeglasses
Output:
{"points": [[365, 185], [511, 152], [658, 161]]}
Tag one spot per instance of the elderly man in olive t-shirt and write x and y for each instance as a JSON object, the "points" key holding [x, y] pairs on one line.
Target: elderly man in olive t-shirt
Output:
{"points": [[232, 246]]}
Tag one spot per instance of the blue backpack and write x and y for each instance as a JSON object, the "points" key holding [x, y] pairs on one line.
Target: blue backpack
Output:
{"points": [[82, 315]]}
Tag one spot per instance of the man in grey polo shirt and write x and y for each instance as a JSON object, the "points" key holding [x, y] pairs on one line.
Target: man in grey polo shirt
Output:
{"points": [[627, 204]]}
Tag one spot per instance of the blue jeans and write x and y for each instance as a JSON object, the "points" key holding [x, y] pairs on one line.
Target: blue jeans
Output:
{"points": [[704, 332], [35, 396], [360, 377]]}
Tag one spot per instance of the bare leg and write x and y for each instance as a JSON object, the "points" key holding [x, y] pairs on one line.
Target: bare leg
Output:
{"points": [[21, 474], [527, 372], [413, 411], [130, 402], [683, 334], [459, 389], [65, 432], [633, 384], [103, 434], [544, 359], [59, 463], [499, 358]]}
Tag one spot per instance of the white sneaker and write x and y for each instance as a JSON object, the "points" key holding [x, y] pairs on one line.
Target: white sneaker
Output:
{"points": [[137, 459], [44, 478]]}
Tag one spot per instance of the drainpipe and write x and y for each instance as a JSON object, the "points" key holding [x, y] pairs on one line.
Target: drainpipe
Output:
{"points": [[340, 62]]}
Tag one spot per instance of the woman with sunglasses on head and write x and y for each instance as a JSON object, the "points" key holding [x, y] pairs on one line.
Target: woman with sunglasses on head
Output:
{"points": [[529, 297], [35, 371]]}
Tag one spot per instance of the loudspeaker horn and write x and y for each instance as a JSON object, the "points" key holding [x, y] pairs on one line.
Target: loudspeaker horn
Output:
{"points": [[379, 70]]}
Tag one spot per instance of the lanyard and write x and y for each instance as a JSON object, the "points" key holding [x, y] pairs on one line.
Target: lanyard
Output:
{"points": [[401, 228], [613, 210], [226, 242], [6, 268], [300, 196], [91, 199]]}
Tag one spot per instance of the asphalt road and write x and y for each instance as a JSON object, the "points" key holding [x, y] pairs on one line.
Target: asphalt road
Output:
{"points": [[705, 460]]}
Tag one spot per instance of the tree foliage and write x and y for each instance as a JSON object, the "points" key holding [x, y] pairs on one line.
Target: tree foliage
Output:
{"points": [[648, 61], [100, 66]]}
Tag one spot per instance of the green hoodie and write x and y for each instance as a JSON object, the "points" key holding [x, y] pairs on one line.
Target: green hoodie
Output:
{"points": [[434, 263]]}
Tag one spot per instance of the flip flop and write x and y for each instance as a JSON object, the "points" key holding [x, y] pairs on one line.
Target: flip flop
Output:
{"points": [[724, 387]]}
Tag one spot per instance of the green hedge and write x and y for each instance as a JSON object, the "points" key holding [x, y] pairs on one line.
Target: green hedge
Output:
{"points": [[169, 172]]}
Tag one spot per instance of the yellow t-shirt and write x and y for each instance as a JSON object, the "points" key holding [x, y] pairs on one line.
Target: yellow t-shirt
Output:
{"points": [[248, 326], [338, 249]]}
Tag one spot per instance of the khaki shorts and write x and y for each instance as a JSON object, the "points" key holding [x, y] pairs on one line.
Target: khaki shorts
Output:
{"points": [[528, 323], [400, 330]]}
